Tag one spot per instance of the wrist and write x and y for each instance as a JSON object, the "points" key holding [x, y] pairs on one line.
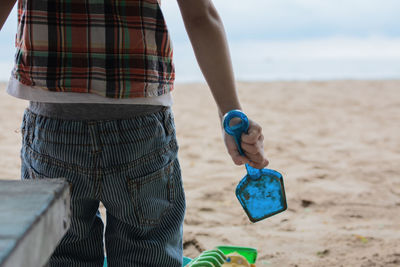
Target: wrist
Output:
{"points": [[222, 116], [223, 111]]}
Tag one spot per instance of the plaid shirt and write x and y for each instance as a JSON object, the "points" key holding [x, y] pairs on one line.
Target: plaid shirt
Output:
{"points": [[113, 48]]}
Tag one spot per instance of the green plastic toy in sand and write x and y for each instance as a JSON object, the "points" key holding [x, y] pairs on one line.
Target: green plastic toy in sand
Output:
{"points": [[208, 258], [249, 253], [217, 257]]}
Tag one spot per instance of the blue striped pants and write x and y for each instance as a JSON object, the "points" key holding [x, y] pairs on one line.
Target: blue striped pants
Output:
{"points": [[129, 165]]}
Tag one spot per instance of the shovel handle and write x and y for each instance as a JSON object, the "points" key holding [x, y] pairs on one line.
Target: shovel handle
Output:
{"points": [[237, 129]]}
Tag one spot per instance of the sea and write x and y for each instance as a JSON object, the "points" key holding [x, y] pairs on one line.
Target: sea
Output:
{"points": [[333, 58], [338, 58]]}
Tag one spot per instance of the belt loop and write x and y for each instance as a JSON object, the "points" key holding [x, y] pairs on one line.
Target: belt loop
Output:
{"points": [[94, 137]]}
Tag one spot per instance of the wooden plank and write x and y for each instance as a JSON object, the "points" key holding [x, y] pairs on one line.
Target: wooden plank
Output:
{"points": [[34, 216]]}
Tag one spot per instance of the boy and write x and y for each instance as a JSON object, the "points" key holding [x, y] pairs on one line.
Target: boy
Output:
{"points": [[98, 75]]}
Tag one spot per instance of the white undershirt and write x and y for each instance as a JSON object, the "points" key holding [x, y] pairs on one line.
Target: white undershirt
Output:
{"points": [[19, 90]]}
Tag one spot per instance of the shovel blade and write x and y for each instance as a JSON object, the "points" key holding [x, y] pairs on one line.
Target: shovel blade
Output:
{"points": [[262, 197]]}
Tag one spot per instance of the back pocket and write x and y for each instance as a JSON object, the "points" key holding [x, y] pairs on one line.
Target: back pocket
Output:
{"points": [[28, 172], [153, 194]]}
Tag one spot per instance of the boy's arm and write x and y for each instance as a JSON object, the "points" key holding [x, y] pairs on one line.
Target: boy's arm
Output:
{"points": [[207, 35], [6, 6]]}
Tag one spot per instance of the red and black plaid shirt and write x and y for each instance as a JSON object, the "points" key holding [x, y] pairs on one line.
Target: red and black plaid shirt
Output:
{"points": [[113, 48]]}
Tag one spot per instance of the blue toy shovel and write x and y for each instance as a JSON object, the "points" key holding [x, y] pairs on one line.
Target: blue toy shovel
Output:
{"points": [[261, 192]]}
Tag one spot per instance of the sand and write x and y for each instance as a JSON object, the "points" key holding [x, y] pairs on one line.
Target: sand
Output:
{"points": [[337, 145]]}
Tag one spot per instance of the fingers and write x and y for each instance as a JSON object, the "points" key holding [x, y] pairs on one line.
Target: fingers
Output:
{"points": [[234, 153], [255, 153], [252, 145], [240, 160], [253, 149], [258, 162], [253, 134]]}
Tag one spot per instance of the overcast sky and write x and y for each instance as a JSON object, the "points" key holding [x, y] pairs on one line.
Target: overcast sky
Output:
{"points": [[284, 19], [279, 27], [298, 19]]}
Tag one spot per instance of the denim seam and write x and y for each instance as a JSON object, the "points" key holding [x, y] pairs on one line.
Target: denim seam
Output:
{"points": [[135, 199], [161, 111], [168, 124], [155, 221], [156, 176], [106, 144], [123, 167], [133, 186], [97, 183], [101, 132]]}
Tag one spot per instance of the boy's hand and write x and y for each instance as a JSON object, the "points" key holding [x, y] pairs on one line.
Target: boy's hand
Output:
{"points": [[252, 146]]}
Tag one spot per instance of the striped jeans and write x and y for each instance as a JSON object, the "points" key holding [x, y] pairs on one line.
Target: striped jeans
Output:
{"points": [[131, 166]]}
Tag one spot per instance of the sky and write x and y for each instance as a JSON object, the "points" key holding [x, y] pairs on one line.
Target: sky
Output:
{"points": [[300, 39], [264, 33], [298, 19]]}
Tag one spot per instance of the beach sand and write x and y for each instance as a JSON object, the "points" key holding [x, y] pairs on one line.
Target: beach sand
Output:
{"points": [[337, 145]]}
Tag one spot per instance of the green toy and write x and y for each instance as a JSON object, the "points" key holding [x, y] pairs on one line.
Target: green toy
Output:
{"points": [[221, 255], [217, 257], [209, 258], [186, 260], [249, 253]]}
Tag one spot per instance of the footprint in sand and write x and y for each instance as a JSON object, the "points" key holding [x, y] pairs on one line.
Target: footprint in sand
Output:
{"points": [[193, 156], [192, 246]]}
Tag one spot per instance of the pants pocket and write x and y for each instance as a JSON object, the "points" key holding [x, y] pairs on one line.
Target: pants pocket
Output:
{"points": [[28, 172], [152, 195], [169, 124], [35, 169]]}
